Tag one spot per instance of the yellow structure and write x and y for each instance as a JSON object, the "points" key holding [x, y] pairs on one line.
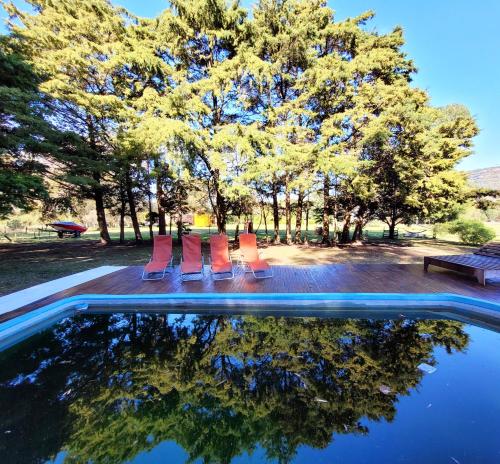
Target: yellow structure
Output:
{"points": [[201, 220]]}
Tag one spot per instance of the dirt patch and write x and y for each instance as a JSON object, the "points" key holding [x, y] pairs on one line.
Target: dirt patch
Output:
{"points": [[359, 253]]}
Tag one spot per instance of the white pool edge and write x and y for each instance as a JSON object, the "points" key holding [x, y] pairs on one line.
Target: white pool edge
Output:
{"points": [[17, 300]]}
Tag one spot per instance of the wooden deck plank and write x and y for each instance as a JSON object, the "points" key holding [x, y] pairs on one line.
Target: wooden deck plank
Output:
{"points": [[340, 278]]}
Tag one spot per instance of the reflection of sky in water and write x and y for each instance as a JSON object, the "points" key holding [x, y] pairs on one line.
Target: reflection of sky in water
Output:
{"points": [[451, 414], [185, 320]]}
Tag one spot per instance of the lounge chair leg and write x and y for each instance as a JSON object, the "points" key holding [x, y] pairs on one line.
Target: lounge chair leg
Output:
{"points": [[480, 277], [426, 265]]}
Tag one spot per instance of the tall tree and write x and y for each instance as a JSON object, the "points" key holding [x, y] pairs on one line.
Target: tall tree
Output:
{"points": [[131, 178], [209, 33], [413, 149], [26, 138], [278, 53], [350, 61], [73, 44]]}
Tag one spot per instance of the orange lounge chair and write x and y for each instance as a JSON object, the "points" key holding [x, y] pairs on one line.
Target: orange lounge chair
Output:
{"points": [[220, 260], [250, 258], [161, 258], [192, 259]]}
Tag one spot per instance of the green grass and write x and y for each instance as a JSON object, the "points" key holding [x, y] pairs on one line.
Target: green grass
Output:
{"points": [[26, 264]]}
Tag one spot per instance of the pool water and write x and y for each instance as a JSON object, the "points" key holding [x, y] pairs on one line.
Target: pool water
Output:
{"points": [[219, 388]]}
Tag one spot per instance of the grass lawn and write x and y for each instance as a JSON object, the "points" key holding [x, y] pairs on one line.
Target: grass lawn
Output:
{"points": [[29, 262]]}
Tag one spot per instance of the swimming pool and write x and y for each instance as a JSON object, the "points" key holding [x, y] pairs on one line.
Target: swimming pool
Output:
{"points": [[294, 383]]}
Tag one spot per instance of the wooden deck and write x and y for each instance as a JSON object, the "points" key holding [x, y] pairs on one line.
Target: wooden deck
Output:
{"points": [[355, 278]]}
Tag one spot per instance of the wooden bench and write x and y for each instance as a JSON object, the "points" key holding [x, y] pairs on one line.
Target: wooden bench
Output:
{"points": [[483, 264]]}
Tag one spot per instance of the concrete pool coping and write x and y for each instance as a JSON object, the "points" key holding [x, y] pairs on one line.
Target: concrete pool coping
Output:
{"points": [[24, 325], [17, 300]]}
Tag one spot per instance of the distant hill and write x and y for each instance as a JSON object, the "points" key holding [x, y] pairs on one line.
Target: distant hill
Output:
{"points": [[488, 178]]}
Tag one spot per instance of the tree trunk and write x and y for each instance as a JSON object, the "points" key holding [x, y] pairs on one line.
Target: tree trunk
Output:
{"points": [[237, 232], [288, 213], [393, 222], [160, 195], [276, 215], [306, 238], [179, 229], [358, 231], [150, 222], [97, 189], [221, 215], [101, 213], [220, 209], [361, 217], [133, 209], [122, 220], [392, 229], [298, 217], [345, 237], [150, 208], [264, 217], [326, 211]]}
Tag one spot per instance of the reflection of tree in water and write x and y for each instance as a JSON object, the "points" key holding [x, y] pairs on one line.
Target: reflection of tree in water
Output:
{"points": [[108, 387]]}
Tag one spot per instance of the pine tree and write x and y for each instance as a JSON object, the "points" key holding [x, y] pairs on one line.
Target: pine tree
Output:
{"points": [[350, 63], [73, 44], [26, 138], [209, 33], [283, 34], [412, 149]]}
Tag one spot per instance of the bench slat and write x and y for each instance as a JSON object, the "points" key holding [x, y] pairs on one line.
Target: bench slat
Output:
{"points": [[490, 249], [473, 261]]}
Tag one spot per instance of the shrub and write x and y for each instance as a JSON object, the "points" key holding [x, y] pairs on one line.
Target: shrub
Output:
{"points": [[439, 228], [472, 232]]}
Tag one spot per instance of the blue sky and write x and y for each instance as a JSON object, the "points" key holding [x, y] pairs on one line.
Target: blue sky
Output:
{"points": [[454, 43]]}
